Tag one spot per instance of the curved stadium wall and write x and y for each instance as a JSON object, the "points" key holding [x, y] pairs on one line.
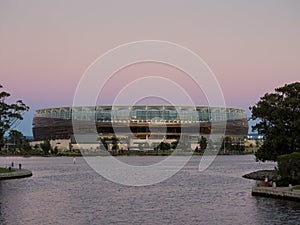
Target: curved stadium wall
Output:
{"points": [[56, 123]]}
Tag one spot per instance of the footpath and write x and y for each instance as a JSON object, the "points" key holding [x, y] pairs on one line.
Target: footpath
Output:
{"points": [[277, 192]]}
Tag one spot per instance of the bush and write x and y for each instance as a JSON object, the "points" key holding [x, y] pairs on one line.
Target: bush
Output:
{"points": [[289, 168], [163, 146], [46, 147]]}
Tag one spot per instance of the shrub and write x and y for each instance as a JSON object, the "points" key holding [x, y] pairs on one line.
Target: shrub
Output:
{"points": [[289, 167]]}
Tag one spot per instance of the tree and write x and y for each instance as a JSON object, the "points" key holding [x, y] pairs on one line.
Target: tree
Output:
{"points": [[163, 146], [174, 144], [26, 145], [203, 143], [46, 147], [226, 144], [10, 114], [279, 121], [115, 142], [240, 147], [16, 137], [289, 168]]}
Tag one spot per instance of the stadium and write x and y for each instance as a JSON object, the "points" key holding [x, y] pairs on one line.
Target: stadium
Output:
{"points": [[139, 123]]}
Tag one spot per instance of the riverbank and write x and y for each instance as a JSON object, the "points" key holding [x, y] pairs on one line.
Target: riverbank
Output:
{"points": [[17, 173], [272, 175], [289, 193], [271, 190], [127, 153]]}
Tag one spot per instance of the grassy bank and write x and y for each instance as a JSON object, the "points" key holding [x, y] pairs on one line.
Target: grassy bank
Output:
{"points": [[4, 170], [296, 188]]}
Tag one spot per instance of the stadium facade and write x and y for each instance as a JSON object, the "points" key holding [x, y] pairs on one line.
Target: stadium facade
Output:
{"points": [[140, 122]]}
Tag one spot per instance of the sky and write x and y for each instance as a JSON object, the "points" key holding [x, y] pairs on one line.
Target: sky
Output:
{"points": [[252, 47]]}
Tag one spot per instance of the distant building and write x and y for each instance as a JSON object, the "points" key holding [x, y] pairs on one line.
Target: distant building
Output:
{"points": [[137, 124], [255, 137]]}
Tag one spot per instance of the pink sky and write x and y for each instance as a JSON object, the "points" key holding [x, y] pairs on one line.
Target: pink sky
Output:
{"points": [[251, 46]]}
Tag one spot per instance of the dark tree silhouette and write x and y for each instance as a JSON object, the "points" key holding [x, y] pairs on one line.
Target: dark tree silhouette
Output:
{"points": [[279, 121], [10, 114]]}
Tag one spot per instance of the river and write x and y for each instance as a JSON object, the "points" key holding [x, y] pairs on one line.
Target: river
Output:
{"points": [[60, 192]]}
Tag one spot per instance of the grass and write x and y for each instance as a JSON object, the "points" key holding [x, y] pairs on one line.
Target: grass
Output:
{"points": [[296, 188], [4, 170]]}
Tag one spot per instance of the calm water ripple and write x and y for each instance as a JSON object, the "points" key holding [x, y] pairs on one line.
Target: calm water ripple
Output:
{"points": [[61, 192]]}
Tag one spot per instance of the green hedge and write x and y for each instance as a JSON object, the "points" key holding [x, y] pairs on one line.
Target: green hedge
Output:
{"points": [[289, 167]]}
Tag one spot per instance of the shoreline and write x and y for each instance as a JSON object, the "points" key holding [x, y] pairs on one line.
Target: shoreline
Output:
{"points": [[271, 190], [260, 175], [277, 192], [18, 173], [131, 153]]}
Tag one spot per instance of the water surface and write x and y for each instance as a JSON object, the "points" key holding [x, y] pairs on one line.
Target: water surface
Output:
{"points": [[60, 192]]}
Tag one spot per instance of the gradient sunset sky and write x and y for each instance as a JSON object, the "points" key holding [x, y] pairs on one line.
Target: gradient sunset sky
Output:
{"points": [[45, 46]]}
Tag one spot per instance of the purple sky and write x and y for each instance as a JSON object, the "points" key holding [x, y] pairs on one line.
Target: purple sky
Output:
{"points": [[45, 46]]}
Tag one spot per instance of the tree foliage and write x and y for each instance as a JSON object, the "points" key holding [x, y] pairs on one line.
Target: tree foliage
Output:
{"points": [[46, 147], [10, 114], [202, 143], [231, 145], [226, 144], [16, 137], [163, 146], [279, 116], [289, 168]]}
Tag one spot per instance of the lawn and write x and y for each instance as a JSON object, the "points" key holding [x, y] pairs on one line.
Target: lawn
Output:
{"points": [[296, 188], [4, 170]]}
